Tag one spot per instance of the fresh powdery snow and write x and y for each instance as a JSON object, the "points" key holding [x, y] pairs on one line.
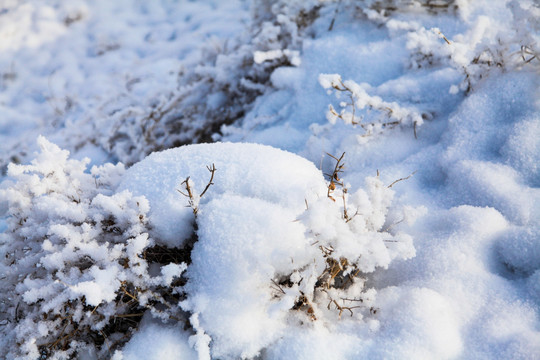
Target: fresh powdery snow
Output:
{"points": [[275, 179]]}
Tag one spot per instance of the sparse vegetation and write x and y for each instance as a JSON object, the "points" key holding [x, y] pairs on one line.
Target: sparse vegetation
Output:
{"points": [[358, 110], [77, 261], [335, 281]]}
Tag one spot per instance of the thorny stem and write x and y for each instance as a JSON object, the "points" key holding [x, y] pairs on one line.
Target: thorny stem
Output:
{"points": [[334, 179], [188, 188], [389, 111], [345, 215]]}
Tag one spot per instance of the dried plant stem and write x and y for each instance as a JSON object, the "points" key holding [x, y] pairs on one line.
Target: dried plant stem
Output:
{"points": [[193, 203], [398, 180], [334, 178], [212, 171], [341, 308]]}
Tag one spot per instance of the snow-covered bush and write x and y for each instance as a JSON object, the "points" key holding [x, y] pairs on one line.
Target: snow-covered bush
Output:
{"points": [[381, 11], [76, 269], [355, 238], [485, 47], [269, 246], [278, 248], [217, 90], [359, 106], [383, 8]]}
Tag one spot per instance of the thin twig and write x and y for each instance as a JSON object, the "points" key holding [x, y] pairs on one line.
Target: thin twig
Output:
{"points": [[445, 39], [342, 308], [405, 178], [334, 17], [278, 286], [353, 300], [212, 171], [128, 315], [188, 188], [190, 195], [526, 50], [391, 226], [335, 174], [124, 290]]}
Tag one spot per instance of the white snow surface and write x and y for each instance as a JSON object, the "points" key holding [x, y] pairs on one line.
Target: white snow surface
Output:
{"points": [[247, 170], [449, 258], [155, 341]]}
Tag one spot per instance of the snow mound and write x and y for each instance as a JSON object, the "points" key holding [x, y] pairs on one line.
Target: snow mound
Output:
{"points": [[269, 236], [248, 170]]}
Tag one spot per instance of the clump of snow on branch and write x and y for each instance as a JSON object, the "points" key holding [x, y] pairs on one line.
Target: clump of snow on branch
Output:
{"points": [[357, 104]]}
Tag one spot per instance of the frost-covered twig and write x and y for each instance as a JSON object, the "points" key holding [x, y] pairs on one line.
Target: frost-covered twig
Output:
{"points": [[391, 114]]}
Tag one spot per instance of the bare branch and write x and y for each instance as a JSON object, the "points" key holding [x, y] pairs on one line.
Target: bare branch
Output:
{"points": [[188, 188], [445, 39], [334, 17], [405, 178], [193, 202], [186, 195], [386, 229], [335, 174], [278, 287], [341, 308], [212, 171]]}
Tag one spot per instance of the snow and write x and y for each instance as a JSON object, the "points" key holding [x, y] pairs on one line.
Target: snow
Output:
{"points": [[424, 245], [154, 341], [248, 170], [102, 288]]}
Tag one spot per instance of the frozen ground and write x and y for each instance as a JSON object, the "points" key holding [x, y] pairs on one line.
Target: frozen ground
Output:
{"points": [[284, 262]]}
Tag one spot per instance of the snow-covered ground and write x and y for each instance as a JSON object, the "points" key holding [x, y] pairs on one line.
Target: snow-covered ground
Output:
{"points": [[373, 192]]}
